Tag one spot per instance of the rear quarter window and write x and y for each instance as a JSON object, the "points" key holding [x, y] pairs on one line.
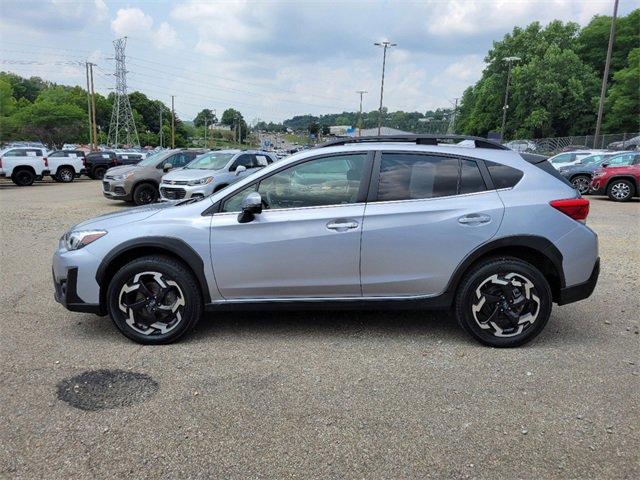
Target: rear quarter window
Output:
{"points": [[504, 176]]}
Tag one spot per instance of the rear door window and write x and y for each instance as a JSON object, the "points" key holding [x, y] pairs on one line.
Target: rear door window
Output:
{"points": [[408, 176]]}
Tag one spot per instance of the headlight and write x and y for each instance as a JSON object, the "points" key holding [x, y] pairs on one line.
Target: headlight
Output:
{"points": [[201, 181], [81, 238], [124, 176]]}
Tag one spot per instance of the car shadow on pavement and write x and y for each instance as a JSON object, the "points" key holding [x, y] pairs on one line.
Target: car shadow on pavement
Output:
{"points": [[319, 323]]}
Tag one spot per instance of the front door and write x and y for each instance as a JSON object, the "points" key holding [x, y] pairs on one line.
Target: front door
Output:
{"points": [[429, 213], [306, 241]]}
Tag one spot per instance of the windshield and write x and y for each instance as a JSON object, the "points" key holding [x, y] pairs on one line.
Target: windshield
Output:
{"points": [[151, 159], [210, 161]]}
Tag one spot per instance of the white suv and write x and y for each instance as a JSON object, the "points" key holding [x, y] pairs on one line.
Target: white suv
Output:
{"points": [[65, 165], [24, 165]]}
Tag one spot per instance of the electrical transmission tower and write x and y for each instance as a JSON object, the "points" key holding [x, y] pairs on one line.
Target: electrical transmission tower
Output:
{"points": [[122, 129]]}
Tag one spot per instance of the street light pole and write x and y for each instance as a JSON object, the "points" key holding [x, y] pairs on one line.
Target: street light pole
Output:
{"points": [[384, 45], [509, 61], [361, 93], [605, 76]]}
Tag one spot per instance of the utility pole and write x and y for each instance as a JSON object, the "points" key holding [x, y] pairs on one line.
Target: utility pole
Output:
{"points": [[173, 122], [605, 76], [509, 61], [160, 133], [452, 121], [361, 93], [86, 65], [205, 131], [93, 109], [384, 45]]}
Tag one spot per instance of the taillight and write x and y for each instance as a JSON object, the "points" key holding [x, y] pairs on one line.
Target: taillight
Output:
{"points": [[576, 208], [46, 161]]}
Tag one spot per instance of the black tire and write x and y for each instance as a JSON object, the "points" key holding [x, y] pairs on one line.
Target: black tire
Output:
{"points": [[144, 194], [482, 298], [23, 177], [98, 173], [582, 183], [620, 190], [65, 175], [152, 322], [219, 187]]}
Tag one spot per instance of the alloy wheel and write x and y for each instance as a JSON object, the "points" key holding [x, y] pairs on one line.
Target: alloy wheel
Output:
{"points": [[506, 305], [66, 175], [581, 184], [152, 303], [620, 190]]}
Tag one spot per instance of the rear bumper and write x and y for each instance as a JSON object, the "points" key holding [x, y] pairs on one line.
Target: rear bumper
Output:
{"points": [[580, 291]]}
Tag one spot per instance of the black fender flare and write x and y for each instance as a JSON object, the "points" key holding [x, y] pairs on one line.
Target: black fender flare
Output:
{"points": [[177, 247], [540, 244]]}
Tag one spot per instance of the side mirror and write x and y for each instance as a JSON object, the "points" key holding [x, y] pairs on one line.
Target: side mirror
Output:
{"points": [[251, 206], [166, 167], [240, 169], [605, 165]]}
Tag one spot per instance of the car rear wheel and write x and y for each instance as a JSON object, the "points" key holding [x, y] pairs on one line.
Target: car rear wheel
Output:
{"points": [[154, 300], [98, 173], [65, 175], [620, 190], [582, 183], [503, 302], [144, 194], [23, 178]]}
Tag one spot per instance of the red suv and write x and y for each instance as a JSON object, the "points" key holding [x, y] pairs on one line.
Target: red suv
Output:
{"points": [[619, 178]]}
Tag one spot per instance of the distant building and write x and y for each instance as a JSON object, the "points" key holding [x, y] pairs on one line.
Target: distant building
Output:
{"points": [[339, 130], [221, 127]]}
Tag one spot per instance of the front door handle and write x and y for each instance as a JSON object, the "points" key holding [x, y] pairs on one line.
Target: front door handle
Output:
{"points": [[474, 219], [342, 225]]}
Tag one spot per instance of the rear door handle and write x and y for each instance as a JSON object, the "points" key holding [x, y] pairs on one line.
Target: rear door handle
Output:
{"points": [[474, 219], [342, 225]]}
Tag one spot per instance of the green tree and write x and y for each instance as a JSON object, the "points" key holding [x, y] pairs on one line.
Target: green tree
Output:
{"points": [[53, 124], [593, 41], [202, 115], [313, 128], [622, 107]]}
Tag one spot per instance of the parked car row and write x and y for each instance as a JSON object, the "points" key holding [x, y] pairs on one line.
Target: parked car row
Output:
{"points": [[25, 165], [615, 174], [181, 174]]}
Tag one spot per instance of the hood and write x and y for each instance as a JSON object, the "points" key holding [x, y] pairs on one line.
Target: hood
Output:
{"points": [[120, 170], [127, 215], [190, 174]]}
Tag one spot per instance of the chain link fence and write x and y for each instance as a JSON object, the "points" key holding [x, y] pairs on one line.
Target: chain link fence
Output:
{"points": [[551, 146]]}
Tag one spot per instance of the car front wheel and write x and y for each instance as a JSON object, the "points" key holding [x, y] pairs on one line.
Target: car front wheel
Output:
{"points": [[620, 190], [144, 194], [154, 300], [503, 302]]}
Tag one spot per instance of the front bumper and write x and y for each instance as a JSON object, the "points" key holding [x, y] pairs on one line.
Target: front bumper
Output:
{"points": [[580, 291], [72, 282], [66, 293], [183, 192], [115, 190], [597, 186]]}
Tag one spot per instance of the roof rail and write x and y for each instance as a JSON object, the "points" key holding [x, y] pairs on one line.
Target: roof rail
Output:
{"points": [[479, 142]]}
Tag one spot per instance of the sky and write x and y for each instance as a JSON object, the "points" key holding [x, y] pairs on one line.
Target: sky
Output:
{"points": [[274, 59]]}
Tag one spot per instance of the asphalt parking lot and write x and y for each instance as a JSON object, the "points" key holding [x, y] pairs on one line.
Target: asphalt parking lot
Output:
{"points": [[312, 394]]}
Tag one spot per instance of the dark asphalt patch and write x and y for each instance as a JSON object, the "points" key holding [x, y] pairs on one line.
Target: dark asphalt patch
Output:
{"points": [[103, 389]]}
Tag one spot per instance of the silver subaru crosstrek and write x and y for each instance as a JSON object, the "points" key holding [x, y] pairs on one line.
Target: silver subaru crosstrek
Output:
{"points": [[383, 222], [212, 171]]}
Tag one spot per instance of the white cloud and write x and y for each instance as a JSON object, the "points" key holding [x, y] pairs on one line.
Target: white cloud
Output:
{"points": [[133, 22]]}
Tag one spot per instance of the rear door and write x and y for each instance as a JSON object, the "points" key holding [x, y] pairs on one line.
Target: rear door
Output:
{"points": [[425, 213]]}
